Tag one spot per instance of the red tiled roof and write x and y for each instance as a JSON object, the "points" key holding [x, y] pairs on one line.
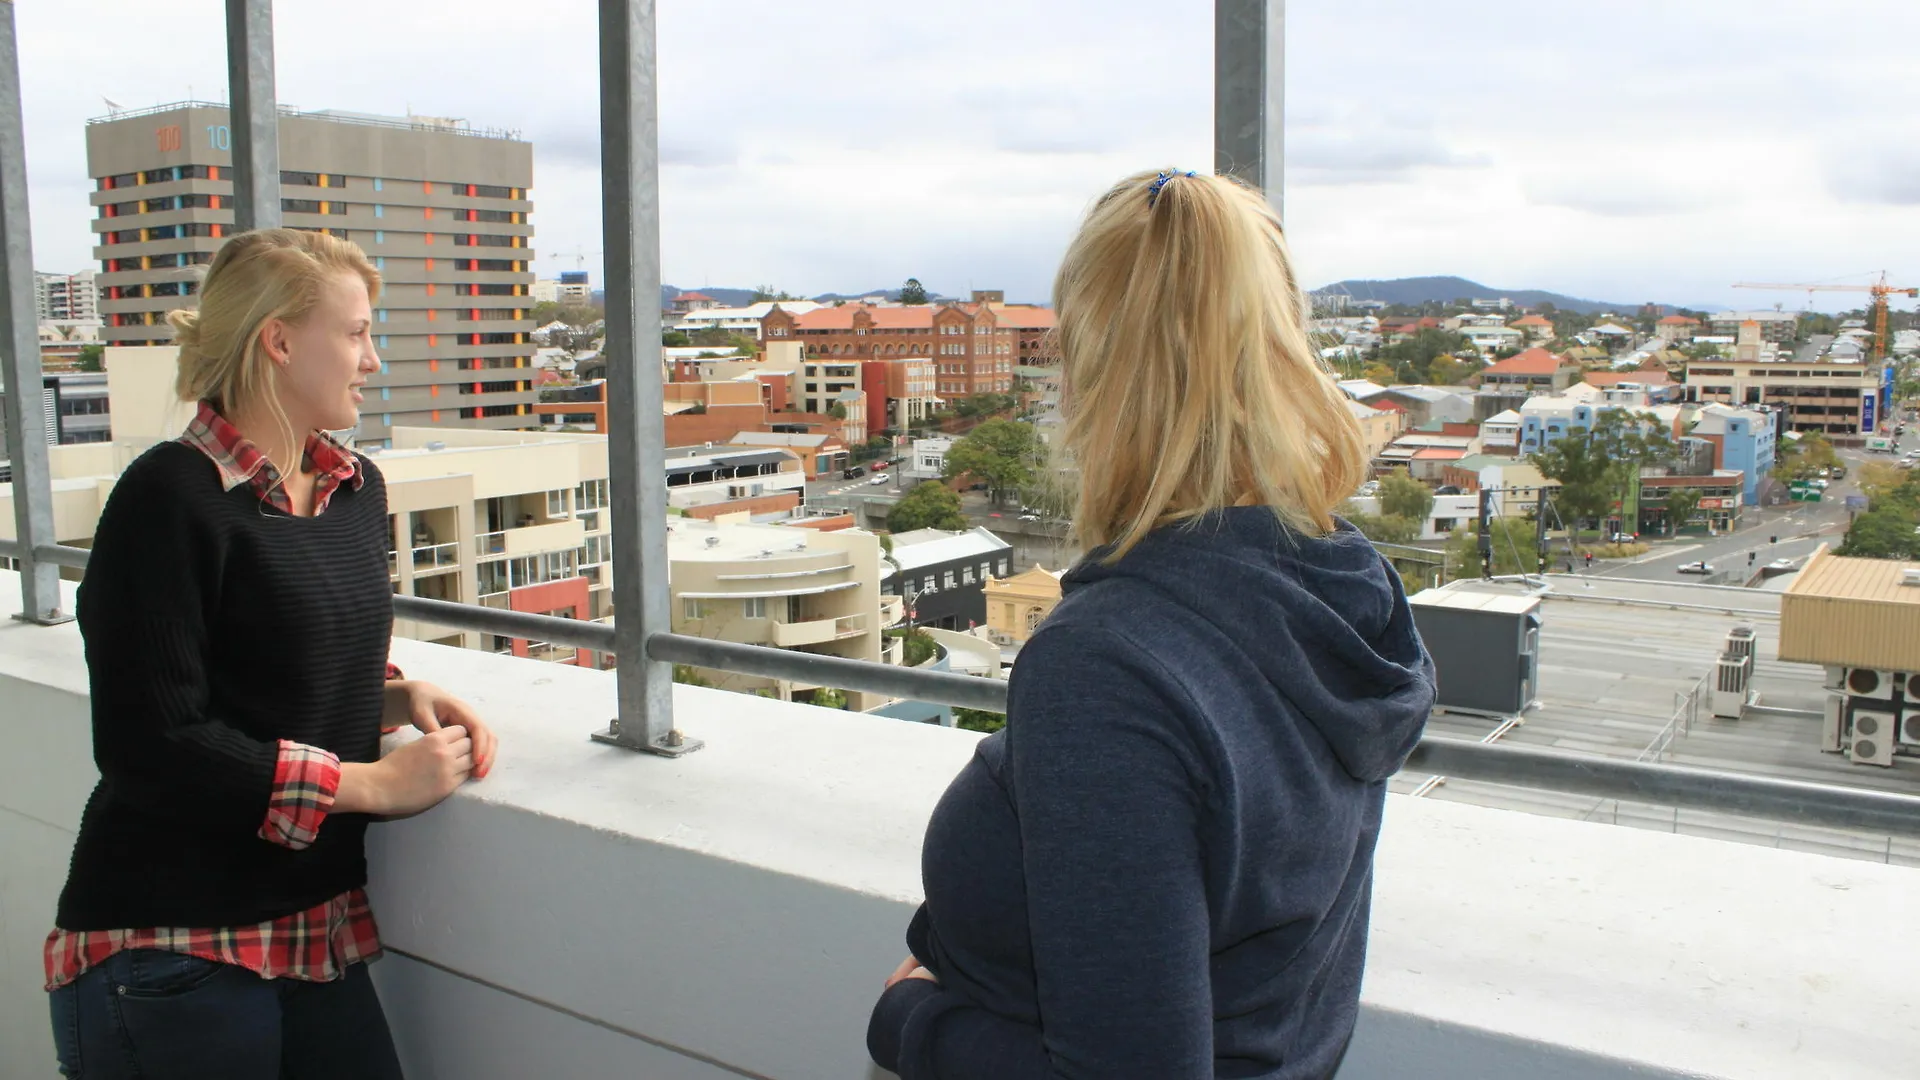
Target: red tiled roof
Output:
{"points": [[910, 317], [1438, 453], [1679, 320], [693, 296], [1024, 316], [1534, 361], [1388, 404]]}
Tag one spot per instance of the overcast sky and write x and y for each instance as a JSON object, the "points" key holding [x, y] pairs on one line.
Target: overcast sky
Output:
{"points": [[1612, 149]]}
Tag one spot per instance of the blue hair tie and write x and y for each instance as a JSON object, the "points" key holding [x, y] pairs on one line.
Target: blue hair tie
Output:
{"points": [[1153, 191]]}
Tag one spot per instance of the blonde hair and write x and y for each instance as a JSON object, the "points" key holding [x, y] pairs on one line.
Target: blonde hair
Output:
{"points": [[1188, 382], [257, 276]]}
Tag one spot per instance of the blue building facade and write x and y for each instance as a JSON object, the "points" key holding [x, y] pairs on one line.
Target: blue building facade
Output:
{"points": [[1747, 439]]}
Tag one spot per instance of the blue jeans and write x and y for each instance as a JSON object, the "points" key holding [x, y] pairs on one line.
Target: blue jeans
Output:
{"points": [[146, 1014]]}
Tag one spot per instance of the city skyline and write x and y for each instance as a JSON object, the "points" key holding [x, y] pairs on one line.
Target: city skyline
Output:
{"points": [[1660, 156]]}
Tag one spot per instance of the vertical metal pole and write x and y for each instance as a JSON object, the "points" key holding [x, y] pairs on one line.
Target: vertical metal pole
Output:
{"points": [[19, 337], [636, 425], [1249, 92], [253, 115]]}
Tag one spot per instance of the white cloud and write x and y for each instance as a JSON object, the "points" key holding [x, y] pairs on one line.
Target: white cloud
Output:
{"points": [[1659, 153]]}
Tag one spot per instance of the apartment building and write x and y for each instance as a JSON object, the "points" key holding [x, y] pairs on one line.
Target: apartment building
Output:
{"points": [[900, 391], [972, 352], [1742, 439], [1378, 426], [1534, 371], [943, 575], [1032, 326], [801, 589], [61, 298], [1778, 327], [1844, 400], [740, 320], [440, 207], [571, 287]]}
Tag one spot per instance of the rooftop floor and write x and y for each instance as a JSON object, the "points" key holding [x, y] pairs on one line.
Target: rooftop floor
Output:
{"points": [[1617, 659]]}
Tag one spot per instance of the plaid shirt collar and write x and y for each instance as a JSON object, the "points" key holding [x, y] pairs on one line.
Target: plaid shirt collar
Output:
{"points": [[241, 462]]}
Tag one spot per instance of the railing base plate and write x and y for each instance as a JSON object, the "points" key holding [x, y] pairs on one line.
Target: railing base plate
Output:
{"points": [[51, 618], [672, 745]]}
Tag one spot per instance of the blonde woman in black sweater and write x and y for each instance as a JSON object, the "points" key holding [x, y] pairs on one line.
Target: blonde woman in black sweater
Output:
{"points": [[237, 617]]}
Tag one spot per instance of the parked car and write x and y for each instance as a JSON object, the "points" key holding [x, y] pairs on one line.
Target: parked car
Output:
{"points": [[1446, 489], [854, 473], [1029, 517], [1696, 568], [1782, 564], [879, 479], [1622, 538], [1370, 488]]}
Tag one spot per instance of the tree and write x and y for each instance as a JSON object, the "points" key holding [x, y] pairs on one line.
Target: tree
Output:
{"points": [[978, 719], [837, 410], [764, 293], [675, 339], [92, 358], [1412, 359], [1402, 496], [1450, 371], [1582, 471], [1002, 453], [1882, 534], [1385, 528], [1514, 547], [1377, 372], [928, 506], [689, 675], [919, 647], [913, 292], [1680, 506], [827, 697]]}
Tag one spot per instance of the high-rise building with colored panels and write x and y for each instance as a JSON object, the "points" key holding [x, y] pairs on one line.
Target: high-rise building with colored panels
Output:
{"points": [[442, 208]]}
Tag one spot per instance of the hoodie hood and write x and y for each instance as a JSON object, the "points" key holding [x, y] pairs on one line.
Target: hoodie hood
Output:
{"points": [[1324, 619]]}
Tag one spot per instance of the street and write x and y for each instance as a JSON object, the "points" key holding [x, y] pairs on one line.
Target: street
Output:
{"points": [[1790, 531]]}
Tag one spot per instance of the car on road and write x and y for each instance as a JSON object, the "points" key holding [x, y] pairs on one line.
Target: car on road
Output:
{"points": [[854, 473], [1029, 517], [880, 479], [1370, 488], [1782, 564], [1696, 568], [1623, 538]]}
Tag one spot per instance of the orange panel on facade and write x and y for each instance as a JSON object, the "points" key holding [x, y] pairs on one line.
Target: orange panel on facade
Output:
{"points": [[433, 365], [436, 415], [433, 391]]}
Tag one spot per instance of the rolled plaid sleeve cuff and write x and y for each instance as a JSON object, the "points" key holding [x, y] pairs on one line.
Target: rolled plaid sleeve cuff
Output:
{"points": [[305, 779]]}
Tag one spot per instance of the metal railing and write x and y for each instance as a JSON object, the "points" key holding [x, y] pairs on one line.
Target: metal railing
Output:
{"points": [[1247, 143]]}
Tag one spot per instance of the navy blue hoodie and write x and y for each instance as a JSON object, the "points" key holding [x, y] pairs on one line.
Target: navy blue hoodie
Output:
{"points": [[1162, 867]]}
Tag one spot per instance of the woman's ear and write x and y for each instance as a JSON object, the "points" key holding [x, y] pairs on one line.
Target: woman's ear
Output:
{"points": [[276, 341]]}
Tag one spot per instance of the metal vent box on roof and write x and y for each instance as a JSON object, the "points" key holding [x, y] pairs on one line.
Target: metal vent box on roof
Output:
{"points": [[1485, 647]]}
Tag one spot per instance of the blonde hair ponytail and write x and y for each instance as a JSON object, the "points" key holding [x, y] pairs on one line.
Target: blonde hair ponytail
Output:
{"points": [[1188, 381]]}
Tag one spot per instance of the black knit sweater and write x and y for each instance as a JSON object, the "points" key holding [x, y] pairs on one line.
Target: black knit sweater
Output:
{"points": [[216, 625]]}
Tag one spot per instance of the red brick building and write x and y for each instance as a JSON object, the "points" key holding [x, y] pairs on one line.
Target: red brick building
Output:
{"points": [[972, 352], [1033, 332]]}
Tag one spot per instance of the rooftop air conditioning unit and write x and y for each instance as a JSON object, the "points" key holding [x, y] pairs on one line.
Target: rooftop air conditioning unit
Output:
{"points": [[1731, 680], [1910, 728], [1740, 641], [1910, 577], [1836, 677], [1873, 737], [713, 541], [1873, 685], [1833, 725]]}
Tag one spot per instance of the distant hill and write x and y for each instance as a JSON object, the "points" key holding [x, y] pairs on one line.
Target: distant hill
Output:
{"points": [[744, 297], [1422, 290], [728, 297]]}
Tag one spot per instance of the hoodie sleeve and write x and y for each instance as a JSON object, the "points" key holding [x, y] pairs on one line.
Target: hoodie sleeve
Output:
{"points": [[1103, 784]]}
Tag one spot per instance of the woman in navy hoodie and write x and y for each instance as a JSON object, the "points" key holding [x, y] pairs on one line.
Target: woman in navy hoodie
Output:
{"points": [[1162, 867]]}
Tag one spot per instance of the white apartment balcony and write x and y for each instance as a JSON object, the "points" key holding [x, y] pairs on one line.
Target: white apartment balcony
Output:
{"points": [[772, 875], [786, 635], [436, 559], [893, 609], [531, 540]]}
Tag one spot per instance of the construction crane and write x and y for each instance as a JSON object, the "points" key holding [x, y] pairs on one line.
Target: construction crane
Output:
{"points": [[1876, 307], [579, 257]]}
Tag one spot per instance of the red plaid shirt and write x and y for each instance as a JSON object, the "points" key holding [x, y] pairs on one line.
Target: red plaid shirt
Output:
{"points": [[317, 944]]}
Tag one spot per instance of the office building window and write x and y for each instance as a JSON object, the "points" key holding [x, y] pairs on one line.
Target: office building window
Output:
{"points": [[692, 609], [754, 607], [946, 580]]}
